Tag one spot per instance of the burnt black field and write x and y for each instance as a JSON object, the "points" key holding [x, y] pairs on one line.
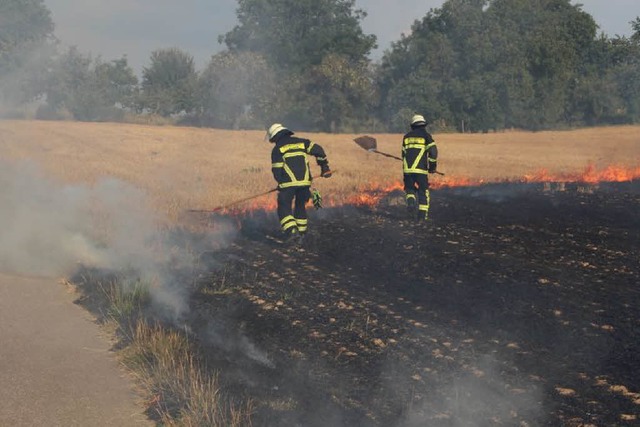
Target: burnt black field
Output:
{"points": [[514, 305]]}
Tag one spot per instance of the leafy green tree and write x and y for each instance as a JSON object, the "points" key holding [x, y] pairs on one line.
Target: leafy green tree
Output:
{"points": [[26, 30], [118, 83], [169, 83], [635, 26], [69, 84], [335, 93], [233, 88], [626, 74], [22, 22], [89, 89], [318, 54], [296, 34], [489, 64]]}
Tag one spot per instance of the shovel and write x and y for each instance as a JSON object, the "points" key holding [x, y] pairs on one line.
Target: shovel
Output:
{"points": [[369, 143]]}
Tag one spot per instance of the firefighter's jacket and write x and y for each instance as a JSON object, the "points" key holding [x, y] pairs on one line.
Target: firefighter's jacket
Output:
{"points": [[419, 152], [289, 162]]}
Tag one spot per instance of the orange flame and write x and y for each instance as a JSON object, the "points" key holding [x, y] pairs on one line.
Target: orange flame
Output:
{"points": [[371, 194], [590, 175]]}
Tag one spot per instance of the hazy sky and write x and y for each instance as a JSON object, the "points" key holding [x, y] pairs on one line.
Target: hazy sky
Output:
{"points": [[137, 27]]}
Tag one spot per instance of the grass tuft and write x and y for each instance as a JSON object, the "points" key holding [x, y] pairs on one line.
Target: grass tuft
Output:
{"points": [[179, 388]]}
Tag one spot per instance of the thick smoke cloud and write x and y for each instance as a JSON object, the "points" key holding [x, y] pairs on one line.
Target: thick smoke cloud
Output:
{"points": [[51, 229]]}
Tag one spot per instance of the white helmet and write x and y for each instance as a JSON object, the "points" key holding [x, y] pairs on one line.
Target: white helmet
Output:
{"points": [[418, 120], [275, 129]]}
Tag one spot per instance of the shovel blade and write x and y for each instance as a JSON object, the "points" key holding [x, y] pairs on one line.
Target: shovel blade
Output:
{"points": [[367, 142]]}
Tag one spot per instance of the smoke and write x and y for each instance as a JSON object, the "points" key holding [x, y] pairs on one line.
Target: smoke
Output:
{"points": [[23, 80], [481, 396], [50, 229], [496, 193]]}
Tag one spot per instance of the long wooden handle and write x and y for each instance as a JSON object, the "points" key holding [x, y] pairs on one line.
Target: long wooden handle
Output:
{"points": [[237, 202]]}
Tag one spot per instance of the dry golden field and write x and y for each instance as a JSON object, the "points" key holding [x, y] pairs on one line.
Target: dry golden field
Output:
{"points": [[182, 168]]}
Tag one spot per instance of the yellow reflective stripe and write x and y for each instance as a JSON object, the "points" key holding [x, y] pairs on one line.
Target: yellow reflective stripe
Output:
{"points": [[415, 140], [411, 196], [288, 225], [418, 158], [287, 219], [418, 146], [433, 160], [310, 147], [289, 172], [297, 153], [302, 224], [431, 145], [277, 165], [295, 184], [425, 207], [290, 147], [287, 222]]}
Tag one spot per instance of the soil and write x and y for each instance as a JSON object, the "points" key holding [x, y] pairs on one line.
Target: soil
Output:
{"points": [[514, 305]]}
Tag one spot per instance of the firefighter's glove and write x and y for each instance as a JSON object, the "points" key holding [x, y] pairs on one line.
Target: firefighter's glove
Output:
{"points": [[325, 172], [316, 198]]}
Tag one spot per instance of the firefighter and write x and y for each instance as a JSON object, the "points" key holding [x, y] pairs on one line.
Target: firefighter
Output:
{"points": [[419, 158], [290, 169]]}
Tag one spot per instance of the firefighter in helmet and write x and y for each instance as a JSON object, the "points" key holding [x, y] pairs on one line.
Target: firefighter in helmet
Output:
{"points": [[290, 169], [419, 158]]}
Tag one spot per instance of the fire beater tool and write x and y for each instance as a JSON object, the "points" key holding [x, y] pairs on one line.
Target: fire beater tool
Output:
{"points": [[369, 143], [316, 198]]}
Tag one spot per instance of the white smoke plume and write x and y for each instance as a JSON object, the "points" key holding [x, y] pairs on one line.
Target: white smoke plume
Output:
{"points": [[51, 229], [481, 398]]}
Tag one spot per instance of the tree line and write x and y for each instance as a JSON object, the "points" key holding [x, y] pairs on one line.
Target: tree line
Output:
{"points": [[470, 65]]}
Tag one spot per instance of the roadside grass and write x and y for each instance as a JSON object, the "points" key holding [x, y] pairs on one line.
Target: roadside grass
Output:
{"points": [[177, 386]]}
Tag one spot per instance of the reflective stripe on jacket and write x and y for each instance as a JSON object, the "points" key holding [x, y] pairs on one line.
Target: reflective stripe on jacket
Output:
{"points": [[419, 152], [289, 162]]}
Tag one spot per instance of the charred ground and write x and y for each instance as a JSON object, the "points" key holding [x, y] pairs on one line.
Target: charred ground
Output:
{"points": [[512, 306], [515, 305]]}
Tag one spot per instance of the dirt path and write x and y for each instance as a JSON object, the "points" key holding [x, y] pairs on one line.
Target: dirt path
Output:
{"points": [[55, 367]]}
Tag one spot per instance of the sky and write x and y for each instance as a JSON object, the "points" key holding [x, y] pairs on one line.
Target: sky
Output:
{"points": [[135, 28]]}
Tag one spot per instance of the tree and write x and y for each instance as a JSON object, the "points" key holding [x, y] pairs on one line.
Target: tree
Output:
{"points": [[26, 29], [169, 83], [335, 93], [89, 89], [319, 54], [23, 22], [118, 83], [296, 34], [232, 89], [489, 64], [635, 26]]}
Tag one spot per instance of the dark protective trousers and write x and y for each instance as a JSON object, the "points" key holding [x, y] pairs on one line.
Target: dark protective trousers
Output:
{"points": [[416, 185], [293, 221]]}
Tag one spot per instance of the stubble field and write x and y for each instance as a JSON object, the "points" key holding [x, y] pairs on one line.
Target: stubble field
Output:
{"points": [[516, 305], [182, 168]]}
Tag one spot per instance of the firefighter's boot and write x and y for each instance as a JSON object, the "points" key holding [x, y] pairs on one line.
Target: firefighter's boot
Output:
{"points": [[291, 237]]}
